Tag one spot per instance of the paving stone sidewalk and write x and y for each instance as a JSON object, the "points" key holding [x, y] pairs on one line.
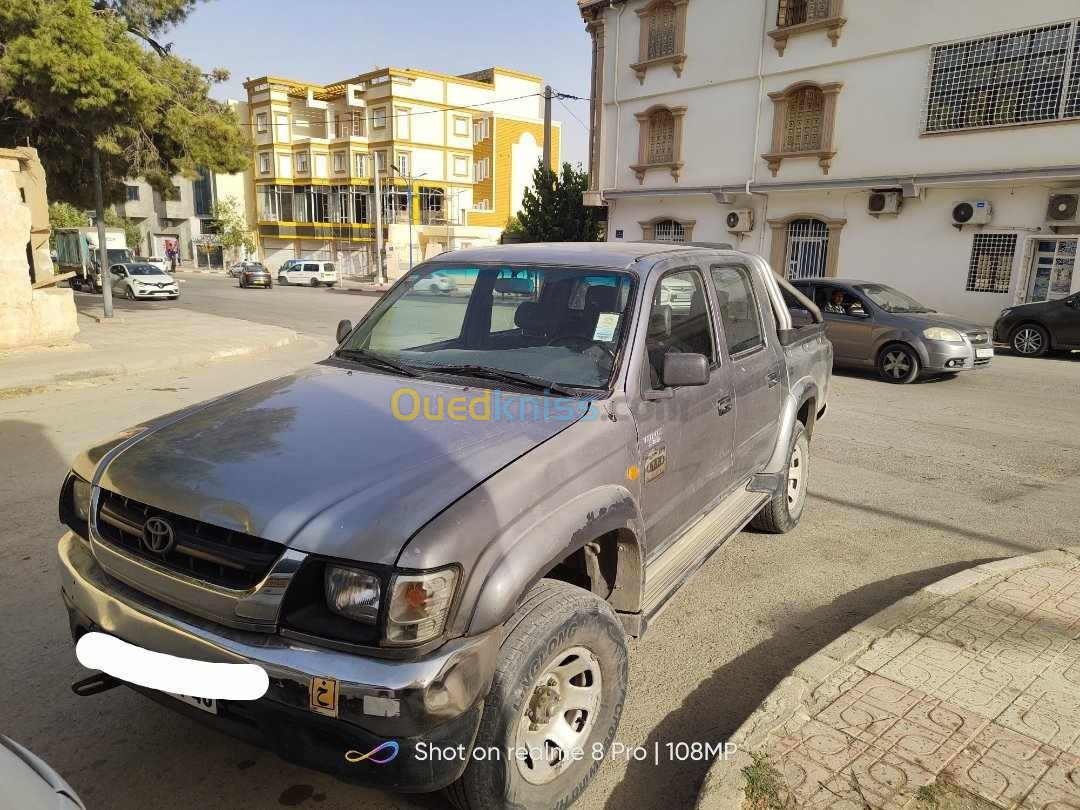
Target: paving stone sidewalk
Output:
{"points": [[963, 695], [135, 342]]}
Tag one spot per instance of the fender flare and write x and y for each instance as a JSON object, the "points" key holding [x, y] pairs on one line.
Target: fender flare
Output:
{"points": [[801, 391], [554, 537]]}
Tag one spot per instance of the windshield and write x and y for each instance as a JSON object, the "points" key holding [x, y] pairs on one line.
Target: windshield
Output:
{"points": [[118, 255], [891, 300], [563, 325], [143, 270]]}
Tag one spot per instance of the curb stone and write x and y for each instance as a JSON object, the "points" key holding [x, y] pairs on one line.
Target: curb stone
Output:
{"points": [[817, 681]]}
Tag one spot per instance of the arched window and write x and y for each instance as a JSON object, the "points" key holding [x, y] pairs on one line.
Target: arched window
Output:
{"points": [[803, 124], [661, 148], [663, 36], [807, 248], [660, 140], [805, 120], [661, 32], [667, 229]]}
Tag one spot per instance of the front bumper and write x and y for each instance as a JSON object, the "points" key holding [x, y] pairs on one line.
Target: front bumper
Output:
{"points": [[436, 700], [951, 357], [163, 293]]}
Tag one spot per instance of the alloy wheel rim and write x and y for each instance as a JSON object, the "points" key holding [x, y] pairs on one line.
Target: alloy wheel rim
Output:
{"points": [[796, 491], [1028, 341], [559, 715], [897, 364]]}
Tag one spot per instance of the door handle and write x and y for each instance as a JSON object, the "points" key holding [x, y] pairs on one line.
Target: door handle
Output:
{"points": [[773, 378], [723, 406]]}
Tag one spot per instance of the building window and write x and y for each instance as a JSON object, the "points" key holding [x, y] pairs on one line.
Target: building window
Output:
{"points": [[281, 124], [131, 193], [339, 162], [1021, 77], [482, 169], [805, 245], [803, 124], [380, 161], [992, 256], [260, 122], [807, 249], [302, 162], [378, 118], [461, 166], [402, 118], [799, 16], [461, 127], [403, 161], [264, 163], [659, 141], [666, 229], [361, 165], [663, 36], [481, 130]]}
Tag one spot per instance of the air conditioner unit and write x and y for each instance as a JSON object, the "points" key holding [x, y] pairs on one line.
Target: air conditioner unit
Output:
{"points": [[1063, 208], [972, 212], [884, 202], [741, 220]]}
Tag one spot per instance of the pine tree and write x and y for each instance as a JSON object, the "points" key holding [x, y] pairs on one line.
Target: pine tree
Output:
{"points": [[553, 209]]}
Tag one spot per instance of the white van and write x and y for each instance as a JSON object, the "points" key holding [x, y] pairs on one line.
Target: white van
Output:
{"points": [[311, 273]]}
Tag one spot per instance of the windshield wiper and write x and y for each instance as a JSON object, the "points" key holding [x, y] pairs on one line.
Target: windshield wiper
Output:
{"points": [[372, 359], [501, 375]]}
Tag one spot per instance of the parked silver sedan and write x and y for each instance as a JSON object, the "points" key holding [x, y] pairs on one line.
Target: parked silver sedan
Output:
{"points": [[872, 325]]}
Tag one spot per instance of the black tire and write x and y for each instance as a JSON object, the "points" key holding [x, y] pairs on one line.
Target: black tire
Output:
{"points": [[284, 282], [782, 513], [1030, 340], [130, 294], [314, 282], [554, 619], [898, 363]]}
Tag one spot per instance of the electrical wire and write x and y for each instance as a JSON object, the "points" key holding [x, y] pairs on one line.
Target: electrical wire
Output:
{"points": [[573, 114]]}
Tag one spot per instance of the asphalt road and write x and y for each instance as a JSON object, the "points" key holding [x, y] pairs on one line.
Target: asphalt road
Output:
{"points": [[907, 485], [307, 310]]}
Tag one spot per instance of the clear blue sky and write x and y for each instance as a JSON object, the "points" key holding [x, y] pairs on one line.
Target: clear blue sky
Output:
{"points": [[328, 40]]}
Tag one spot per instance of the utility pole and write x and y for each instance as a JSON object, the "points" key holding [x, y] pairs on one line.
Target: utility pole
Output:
{"points": [[103, 251], [380, 268], [547, 127]]}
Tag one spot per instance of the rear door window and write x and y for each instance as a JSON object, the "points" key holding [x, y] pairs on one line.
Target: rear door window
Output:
{"points": [[739, 309], [311, 268]]}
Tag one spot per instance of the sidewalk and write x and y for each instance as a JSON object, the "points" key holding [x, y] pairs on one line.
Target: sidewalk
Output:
{"points": [[134, 342], [964, 695]]}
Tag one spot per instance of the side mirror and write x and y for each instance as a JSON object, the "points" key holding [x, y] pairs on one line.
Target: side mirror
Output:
{"points": [[859, 313], [685, 369], [343, 329]]}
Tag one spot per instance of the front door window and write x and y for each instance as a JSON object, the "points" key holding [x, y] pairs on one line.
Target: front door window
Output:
{"points": [[1052, 273]]}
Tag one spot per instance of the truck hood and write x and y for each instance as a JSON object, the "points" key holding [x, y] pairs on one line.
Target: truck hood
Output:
{"points": [[318, 461]]}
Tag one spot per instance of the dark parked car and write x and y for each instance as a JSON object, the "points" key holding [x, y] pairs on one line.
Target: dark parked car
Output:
{"points": [[872, 325], [1034, 329], [255, 275]]}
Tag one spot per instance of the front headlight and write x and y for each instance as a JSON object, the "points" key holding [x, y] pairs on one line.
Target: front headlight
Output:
{"points": [[75, 504], [943, 334], [419, 606], [80, 499], [352, 594]]}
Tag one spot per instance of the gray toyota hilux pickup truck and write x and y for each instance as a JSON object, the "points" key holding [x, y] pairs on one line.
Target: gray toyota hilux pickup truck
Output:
{"points": [[436, 541]]}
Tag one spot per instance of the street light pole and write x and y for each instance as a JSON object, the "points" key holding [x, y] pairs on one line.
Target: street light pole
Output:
{"points": [[103, 250], [409, 197]]}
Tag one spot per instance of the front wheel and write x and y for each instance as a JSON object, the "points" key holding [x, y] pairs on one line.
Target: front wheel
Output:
{"points": [[898, 364], [282, 280], [130, 294], [554, 705], [314, 282], [782, 513], [1030, 340]]}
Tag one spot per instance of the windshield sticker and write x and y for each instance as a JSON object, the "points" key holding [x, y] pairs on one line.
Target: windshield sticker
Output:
{"points": [[606, 325]]}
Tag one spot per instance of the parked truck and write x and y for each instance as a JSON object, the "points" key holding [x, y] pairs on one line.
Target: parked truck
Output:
{"points": [[77, 252], [436, 541]]}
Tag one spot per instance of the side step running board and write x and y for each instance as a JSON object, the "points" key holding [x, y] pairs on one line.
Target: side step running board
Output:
{"points": [[664, 576]]}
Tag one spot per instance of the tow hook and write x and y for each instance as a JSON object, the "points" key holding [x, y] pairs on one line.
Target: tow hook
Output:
{"points": [[95, 684]]}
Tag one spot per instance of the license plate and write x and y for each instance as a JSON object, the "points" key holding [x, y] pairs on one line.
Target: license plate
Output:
{"points": [[982, 353], [208, 705]]}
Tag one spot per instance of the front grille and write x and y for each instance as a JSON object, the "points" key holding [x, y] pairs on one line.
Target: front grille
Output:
{"points": [[201, 550]]}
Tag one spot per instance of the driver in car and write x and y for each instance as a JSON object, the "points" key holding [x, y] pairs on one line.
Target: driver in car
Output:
{"points": [[836, 303]]}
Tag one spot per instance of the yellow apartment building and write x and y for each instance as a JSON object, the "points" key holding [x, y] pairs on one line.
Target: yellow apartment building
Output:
{"points": [[467, 145]]}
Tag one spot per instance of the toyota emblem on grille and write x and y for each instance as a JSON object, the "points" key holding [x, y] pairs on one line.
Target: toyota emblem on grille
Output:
{"points": [[158, 536]]}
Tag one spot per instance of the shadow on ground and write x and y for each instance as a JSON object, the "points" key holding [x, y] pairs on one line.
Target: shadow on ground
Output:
{"points": [[713, 711]]}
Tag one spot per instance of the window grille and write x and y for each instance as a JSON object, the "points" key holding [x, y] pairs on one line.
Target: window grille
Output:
{"points": [[1019, 77], [668, 230], [661, 144], [796, 12], [662, 32], [992, 256], [807, 248], [805, 120]]}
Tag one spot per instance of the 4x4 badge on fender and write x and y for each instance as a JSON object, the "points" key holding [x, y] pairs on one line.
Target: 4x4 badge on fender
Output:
{"points": [[158, 536]]}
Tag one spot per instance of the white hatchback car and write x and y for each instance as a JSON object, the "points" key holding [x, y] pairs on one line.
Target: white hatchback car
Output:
{"points": [[310, 273], [140, 280], [159, 262]]}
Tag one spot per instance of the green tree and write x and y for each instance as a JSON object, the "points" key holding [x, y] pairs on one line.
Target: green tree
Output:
{"points": [[553, 209], [66, 215], [75, 74], [232, 227]]}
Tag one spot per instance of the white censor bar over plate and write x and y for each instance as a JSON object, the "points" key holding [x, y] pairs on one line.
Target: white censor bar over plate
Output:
{"points": [[169, 673]]}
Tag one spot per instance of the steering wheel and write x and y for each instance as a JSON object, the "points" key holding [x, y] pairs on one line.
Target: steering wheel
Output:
{"points": [[584, 342]]}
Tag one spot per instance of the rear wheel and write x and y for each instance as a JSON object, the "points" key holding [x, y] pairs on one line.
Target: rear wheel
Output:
{"points": [[783, 512], [314, 282], [1030, 340], [554, 705], [898, 364]]}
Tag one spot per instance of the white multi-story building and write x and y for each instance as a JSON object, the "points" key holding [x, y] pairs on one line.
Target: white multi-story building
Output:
{"points": [[933, 146]]}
